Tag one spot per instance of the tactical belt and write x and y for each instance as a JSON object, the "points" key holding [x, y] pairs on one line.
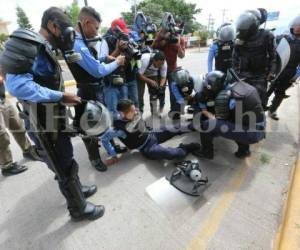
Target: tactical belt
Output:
{"points": [[83, 85]]}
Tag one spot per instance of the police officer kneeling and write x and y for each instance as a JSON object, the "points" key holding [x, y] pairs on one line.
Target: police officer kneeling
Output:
{"points": [[239, 115], [34, 76]]}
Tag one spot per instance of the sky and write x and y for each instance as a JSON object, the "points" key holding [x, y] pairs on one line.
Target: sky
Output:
{"points": [[110, 9]]}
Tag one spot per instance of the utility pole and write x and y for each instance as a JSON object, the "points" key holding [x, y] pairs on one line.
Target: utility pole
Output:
{"points": [[134, 3], [211, 23], [223, 15], [86, 3]]}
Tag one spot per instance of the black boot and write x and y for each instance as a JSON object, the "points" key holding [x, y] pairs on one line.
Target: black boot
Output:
{"points": [[190, 148], [78, 207], [88, 191], [243, 151], [277, 100], [92, 147], [13, 169], [207, 149], [204, 153]]}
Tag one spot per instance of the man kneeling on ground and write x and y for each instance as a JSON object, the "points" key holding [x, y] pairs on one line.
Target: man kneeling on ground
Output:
{"points": [[131, 129]]}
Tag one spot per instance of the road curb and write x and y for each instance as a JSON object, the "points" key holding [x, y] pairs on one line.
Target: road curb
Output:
{"points": [[288, 235], [288, 232]]}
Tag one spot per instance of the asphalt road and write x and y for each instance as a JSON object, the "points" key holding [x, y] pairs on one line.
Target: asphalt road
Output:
{"points": [[240, 209]]}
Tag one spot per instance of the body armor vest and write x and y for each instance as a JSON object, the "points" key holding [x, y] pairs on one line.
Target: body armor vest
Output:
{"points": [[223, 60]]}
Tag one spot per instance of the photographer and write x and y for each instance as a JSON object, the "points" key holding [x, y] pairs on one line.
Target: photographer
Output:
{"points": [[122, 82], [173, 45], [153, 72]]}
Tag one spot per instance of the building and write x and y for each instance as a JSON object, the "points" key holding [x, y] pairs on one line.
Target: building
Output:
{"points": [[4, 27]]}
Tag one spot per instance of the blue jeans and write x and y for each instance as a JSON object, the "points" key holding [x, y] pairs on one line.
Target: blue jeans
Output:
{"points": [[174, 106], [132, 92], [112, 95]]}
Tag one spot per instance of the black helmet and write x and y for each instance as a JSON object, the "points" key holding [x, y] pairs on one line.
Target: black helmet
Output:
{"points": [[226, 32], [264, 15], [214, 82], [184, 82], [256, 13], [95, 120], [295, 23], [247, 25]]}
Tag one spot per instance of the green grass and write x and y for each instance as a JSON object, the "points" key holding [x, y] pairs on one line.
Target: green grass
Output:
{"points": [[264, 159]]}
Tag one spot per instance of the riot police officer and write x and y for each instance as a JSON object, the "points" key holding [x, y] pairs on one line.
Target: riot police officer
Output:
{"points": [[283, 81], [186, 89], [221, 49], [239, 115], [254, 54], [89, 71], [34, 76]]}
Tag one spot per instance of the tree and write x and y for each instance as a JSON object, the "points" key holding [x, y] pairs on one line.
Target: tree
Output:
{"points": [[149, 8], [73, 12], [3, 38], [22, 20], [156, 8]]}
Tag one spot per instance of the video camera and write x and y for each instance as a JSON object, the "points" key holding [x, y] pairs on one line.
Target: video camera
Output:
{"points": [[132, 49], [169, 25], [149, 30], [145, 25]]}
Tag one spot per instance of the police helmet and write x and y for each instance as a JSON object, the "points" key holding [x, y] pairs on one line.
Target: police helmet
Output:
{"points": [[247, 25], [95, 120], [226, 32], [214, 82], [264, 15], [295, 23], [256, 13], [184, 81]]}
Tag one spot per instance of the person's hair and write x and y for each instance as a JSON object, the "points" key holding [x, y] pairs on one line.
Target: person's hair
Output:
{"points": [[124, 105], [159, 56], [89, 12], [57, 16]]}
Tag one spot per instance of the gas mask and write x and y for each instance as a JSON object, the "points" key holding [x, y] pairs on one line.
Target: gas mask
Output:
{"points": [[65, 43]]}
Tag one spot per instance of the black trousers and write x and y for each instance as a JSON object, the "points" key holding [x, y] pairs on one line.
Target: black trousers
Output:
{"points": [[261, 85], [281, 85]]}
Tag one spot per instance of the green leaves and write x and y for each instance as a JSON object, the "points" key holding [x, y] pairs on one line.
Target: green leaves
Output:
{"points": [[156, 9], [73, 12], [23, 20]]}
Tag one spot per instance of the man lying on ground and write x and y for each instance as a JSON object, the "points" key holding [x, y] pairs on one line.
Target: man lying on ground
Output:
{"points": [[131, 129]]}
